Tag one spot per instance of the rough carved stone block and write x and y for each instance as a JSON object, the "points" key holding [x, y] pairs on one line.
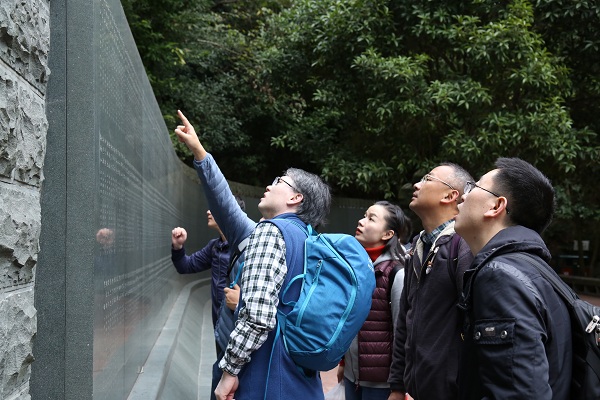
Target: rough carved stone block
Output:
{"points": [[17, 327], [19, 235], [25, 39], [23, 127]]}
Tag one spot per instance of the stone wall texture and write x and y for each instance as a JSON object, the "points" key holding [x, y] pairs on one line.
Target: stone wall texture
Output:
{"points": [[24, 46]]}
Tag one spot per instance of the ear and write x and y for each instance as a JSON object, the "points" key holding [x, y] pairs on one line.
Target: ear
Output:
{"points": [[295, 199], [388, 235], [451, 196], [499, 208]]}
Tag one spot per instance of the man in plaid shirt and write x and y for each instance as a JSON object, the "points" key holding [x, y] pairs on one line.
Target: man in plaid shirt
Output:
{"points": [[256, 364]]}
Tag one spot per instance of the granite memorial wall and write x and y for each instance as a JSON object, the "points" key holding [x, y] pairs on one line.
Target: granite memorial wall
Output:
{"points": [[114, 188]]}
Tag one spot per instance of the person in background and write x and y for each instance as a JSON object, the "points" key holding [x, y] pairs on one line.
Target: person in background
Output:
{"points": [[518, 341], [366, 366], [255, 365], [225, 291], [427, 340], [213, 256]]}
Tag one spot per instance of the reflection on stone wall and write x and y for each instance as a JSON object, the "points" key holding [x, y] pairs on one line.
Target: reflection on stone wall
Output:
{"points": [[114, 190], [24, 45]]}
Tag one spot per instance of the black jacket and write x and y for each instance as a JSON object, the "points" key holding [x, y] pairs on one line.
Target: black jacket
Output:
{"points": [[518, 333], [427, 340]]}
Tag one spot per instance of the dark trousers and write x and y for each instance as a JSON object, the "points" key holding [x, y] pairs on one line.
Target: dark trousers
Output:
{"points": [[353, 392]]}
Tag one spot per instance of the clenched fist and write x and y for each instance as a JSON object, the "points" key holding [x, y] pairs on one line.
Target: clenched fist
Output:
{"points": [[178, 238]]}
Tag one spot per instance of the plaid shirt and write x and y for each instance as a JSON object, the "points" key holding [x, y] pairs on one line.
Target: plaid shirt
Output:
{"points": [[429, 238], [262, 277]]}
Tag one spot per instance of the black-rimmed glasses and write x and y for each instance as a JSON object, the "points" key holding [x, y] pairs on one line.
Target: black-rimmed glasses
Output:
{"points": [[429, 177], [279, 179], [469, 186]]}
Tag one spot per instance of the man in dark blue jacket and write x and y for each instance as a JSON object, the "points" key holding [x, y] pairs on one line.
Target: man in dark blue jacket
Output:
{"points": [[213, 256], [517, 333]]}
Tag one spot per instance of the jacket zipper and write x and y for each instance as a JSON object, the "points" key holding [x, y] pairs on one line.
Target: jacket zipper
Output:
{"points": [[428, 260]]}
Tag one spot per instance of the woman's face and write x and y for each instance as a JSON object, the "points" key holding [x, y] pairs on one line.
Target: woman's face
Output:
{"points": [[372, 229]]}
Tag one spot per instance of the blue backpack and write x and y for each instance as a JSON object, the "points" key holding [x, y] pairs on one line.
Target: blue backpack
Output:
{"points": [[335, 299]]}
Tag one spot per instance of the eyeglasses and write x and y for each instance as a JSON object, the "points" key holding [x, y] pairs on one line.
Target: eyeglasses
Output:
{"points": [[472, 185], [279, 179], [469, 186], [429, 177]]}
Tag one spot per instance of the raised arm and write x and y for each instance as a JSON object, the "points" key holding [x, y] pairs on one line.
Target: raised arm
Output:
{"points": [[234, 223], [187, 135], [197, 262]]}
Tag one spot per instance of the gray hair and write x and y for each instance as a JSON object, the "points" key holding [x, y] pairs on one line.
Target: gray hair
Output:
{"points": [[316, 194], [459, 177]]}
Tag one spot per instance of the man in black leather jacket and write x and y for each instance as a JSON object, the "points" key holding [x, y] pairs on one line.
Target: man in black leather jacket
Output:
{"points": [[517, 333], [427, 340]]}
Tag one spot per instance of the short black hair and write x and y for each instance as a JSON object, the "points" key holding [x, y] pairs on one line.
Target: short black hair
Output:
{"points": [[240, 202], [531, 196]]}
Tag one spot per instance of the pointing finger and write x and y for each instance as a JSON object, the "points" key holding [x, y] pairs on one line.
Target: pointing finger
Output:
{"points": [[183, 119]]}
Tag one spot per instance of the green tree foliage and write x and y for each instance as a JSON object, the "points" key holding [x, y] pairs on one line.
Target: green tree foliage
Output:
{"points": [[198, 58], [373, 93], [161, 30], [572, 31], [377, 92]]}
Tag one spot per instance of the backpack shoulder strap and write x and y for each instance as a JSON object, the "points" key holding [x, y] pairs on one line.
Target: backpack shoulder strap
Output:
{"points": [[453, 258], [241, 247], [295, 235], [559, 286], [392, 276]]}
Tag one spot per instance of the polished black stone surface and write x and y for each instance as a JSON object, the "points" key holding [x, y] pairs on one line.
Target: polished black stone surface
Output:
{"points": [[113, 191]]}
